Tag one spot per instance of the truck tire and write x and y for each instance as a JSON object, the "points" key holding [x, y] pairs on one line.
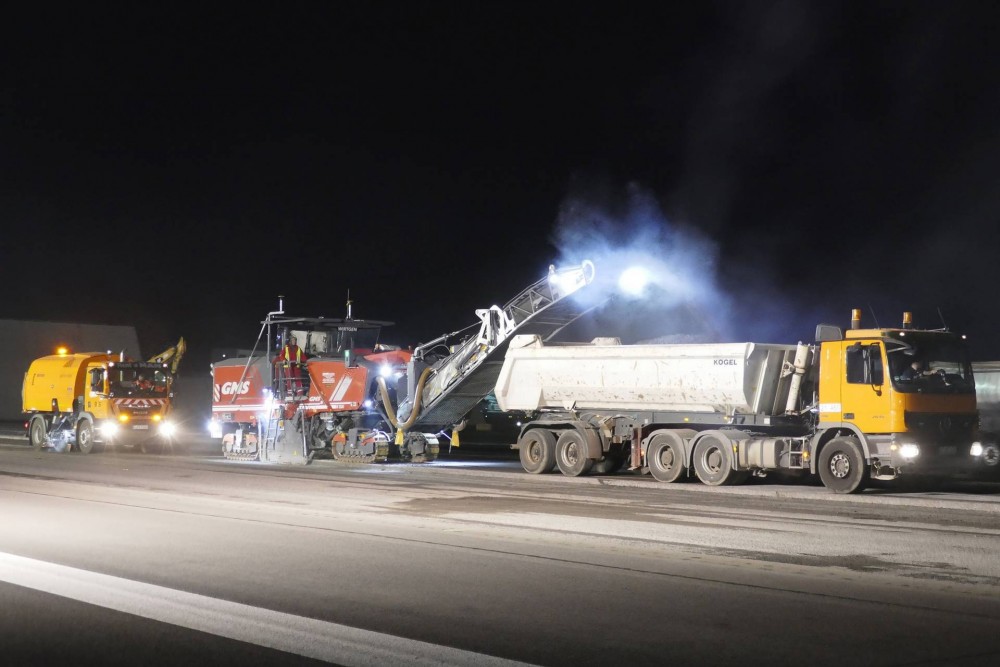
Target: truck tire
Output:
{"points": [[537, 448], [842, 467], [713, 461], [84, 436], [36, 432], [665, 457], [571, 454]]}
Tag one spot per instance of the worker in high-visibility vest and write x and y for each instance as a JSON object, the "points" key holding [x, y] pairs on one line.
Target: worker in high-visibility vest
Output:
{"points": [[291, 359]]}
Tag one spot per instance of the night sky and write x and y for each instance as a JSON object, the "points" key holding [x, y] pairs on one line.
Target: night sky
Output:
{"points": [[774, 163]]}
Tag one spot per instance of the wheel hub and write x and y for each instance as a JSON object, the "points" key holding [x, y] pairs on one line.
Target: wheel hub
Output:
{"points": [[840, 466], [535, 451], [667, 458], [713, 460]]}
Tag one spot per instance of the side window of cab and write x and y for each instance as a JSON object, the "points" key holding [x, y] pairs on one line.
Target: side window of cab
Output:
{"points": [[864, 364], [97, 380]]}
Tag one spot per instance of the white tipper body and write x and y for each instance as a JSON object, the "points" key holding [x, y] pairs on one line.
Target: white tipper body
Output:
{"points": [[729, 378]]}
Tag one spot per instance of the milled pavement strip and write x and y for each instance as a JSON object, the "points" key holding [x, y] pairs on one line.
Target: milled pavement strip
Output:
{"points": [[989, 504], [299, 635]]}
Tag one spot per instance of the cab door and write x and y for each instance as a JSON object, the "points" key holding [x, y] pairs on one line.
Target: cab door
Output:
{"points": [[97, 391], [865, 397]]}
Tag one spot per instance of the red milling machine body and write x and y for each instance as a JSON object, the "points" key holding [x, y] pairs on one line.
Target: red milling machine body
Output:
{"points": [[262, 412]]}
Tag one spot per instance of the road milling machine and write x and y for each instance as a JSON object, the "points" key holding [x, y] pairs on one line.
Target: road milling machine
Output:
{"points": [[367, 402], [447, 377], [262, 412], [73, 401]]}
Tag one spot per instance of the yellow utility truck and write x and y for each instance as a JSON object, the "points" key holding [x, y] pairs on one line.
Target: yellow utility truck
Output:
{"points": [[74, 400]]}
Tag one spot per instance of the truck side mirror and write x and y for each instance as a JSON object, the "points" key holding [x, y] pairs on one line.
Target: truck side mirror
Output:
{"points": [[828, 333]]}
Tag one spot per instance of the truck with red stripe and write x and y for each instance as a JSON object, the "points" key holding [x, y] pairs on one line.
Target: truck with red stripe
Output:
{"points": [[369, 402], [76, 400], [261, 413]]}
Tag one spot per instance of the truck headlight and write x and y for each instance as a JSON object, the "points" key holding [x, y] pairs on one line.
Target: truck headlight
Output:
{"points": [[214, 429], [976, 449], [168, 429], [109, 429], [909, 451]]}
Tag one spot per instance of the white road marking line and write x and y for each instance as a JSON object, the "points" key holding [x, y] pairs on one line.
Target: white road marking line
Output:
{"points": [[303, 636]]}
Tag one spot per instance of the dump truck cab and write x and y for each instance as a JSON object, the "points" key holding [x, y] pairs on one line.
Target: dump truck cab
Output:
{"points": [[908, 395]]}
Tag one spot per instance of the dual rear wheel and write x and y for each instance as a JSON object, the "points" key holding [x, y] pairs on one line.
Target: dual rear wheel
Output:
{"points": [[572, 454], [537, 449], [714, 461], [665, 457], [36, 432], [541, 452]]}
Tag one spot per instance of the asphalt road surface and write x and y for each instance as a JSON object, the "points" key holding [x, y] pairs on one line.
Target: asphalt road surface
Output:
{"points": [[184, 558]]}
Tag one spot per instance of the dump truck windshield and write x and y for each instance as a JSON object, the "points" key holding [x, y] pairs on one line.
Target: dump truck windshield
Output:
{"points": [[930, 364]]}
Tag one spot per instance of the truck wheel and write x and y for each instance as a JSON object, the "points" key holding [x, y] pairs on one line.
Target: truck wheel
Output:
{"points": [[713, 461], [538, 451], [665, 457], [842, 466], [571, 454], [84, 437], [36, 432]]}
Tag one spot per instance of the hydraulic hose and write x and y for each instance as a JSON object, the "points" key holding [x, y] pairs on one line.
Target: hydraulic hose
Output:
{"points": [[387, 403]]}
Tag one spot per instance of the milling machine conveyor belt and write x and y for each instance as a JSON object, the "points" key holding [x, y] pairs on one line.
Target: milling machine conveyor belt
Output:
{"points": [[543, 309]]}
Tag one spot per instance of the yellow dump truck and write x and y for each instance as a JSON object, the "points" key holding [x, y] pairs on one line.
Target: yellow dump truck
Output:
{"points": [[72, 401], [858, 405]]}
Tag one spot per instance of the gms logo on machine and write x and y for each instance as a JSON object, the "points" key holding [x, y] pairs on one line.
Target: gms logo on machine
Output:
{"points": [[230, 388]]}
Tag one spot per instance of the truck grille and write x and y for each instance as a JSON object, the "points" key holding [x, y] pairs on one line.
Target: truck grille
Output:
{"points": [[942, 427]]}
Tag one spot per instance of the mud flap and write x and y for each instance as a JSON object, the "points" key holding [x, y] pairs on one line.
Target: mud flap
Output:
{"points": [[289, 446]]}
